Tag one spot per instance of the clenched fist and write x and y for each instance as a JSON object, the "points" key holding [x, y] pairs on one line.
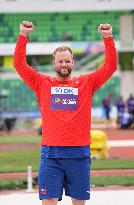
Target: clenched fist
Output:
{"points": [[26, 28], [105, 30]]}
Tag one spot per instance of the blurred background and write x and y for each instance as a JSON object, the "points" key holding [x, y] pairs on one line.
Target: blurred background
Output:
{"points": [[73, 23], [58, 22]]}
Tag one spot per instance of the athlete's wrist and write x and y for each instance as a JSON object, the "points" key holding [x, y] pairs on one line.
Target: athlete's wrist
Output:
{"points": [[108, 36], [24, 34]]}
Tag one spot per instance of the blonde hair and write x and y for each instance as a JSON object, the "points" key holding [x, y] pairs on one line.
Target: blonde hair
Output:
{"points": [[61, 49]]}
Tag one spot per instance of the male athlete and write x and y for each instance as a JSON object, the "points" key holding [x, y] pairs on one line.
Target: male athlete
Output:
{"points": [[65, 104]]}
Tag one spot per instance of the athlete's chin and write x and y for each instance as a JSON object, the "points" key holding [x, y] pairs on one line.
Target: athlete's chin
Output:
{"points": [[64, 74]]}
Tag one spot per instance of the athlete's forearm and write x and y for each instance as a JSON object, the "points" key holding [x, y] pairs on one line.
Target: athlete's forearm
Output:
{"points": [[105, 72], [20, 54], [27, 73], [110, 56]]}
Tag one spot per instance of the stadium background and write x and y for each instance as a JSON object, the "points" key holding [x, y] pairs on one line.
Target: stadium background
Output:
{"points": [[74, 24], [58, 22]]}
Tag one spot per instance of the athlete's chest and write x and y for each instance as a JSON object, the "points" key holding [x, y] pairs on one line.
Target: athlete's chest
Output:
{"points": [[62, 96]]}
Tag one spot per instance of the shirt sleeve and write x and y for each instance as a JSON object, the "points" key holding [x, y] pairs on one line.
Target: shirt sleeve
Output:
{"points": [[30, 76], [99, 77]]}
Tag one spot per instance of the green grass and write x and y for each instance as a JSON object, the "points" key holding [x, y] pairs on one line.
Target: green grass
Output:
{"points": [[17, 161], [14, 184], [112, 180], [112, 164], [19, 139]]}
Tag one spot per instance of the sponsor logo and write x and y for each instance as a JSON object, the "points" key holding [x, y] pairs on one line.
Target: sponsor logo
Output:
{"points": [[64, 101], [64, 90], [56, 101], [64, 98], [69, 101]]}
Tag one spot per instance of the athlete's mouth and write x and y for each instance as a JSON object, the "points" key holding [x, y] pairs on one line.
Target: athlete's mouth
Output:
{"points": [[64, 72]]}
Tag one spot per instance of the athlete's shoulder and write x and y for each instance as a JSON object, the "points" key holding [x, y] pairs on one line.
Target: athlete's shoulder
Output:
{"points": [[84, 77], [46, 77]]}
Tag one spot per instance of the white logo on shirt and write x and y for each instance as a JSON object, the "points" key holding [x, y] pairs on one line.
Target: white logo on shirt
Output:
{"points": [[64, 90]]}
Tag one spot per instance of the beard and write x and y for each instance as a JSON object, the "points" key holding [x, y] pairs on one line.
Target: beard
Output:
{"points": [[64, 73]]}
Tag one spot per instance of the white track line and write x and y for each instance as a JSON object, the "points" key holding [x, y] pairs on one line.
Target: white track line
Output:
{"points": [[121, 197], [120, 143]]}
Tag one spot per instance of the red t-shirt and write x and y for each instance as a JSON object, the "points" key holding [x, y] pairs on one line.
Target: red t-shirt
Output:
{"points": [[65, 106]]}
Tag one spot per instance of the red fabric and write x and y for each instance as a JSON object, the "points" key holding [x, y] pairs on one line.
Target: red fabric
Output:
{"points": [[65, 127]]}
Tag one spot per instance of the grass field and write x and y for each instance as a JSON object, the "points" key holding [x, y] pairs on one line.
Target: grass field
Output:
{"points": [[17, 161], [14, 184], [18, 158], [19, 139], [21, 156]]}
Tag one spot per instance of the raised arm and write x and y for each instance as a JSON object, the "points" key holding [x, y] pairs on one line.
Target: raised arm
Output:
{"points": [[102, 74], [27, 73]]}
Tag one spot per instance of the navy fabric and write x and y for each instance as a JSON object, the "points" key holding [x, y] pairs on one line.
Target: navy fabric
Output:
{"points": [[71, 174], [65, 151]]}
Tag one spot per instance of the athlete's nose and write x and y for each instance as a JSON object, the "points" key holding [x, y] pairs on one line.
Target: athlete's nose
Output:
{"points": [[63, 64]]}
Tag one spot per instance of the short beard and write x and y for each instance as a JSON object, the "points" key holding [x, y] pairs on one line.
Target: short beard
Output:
{"points": [[64, 75]]}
